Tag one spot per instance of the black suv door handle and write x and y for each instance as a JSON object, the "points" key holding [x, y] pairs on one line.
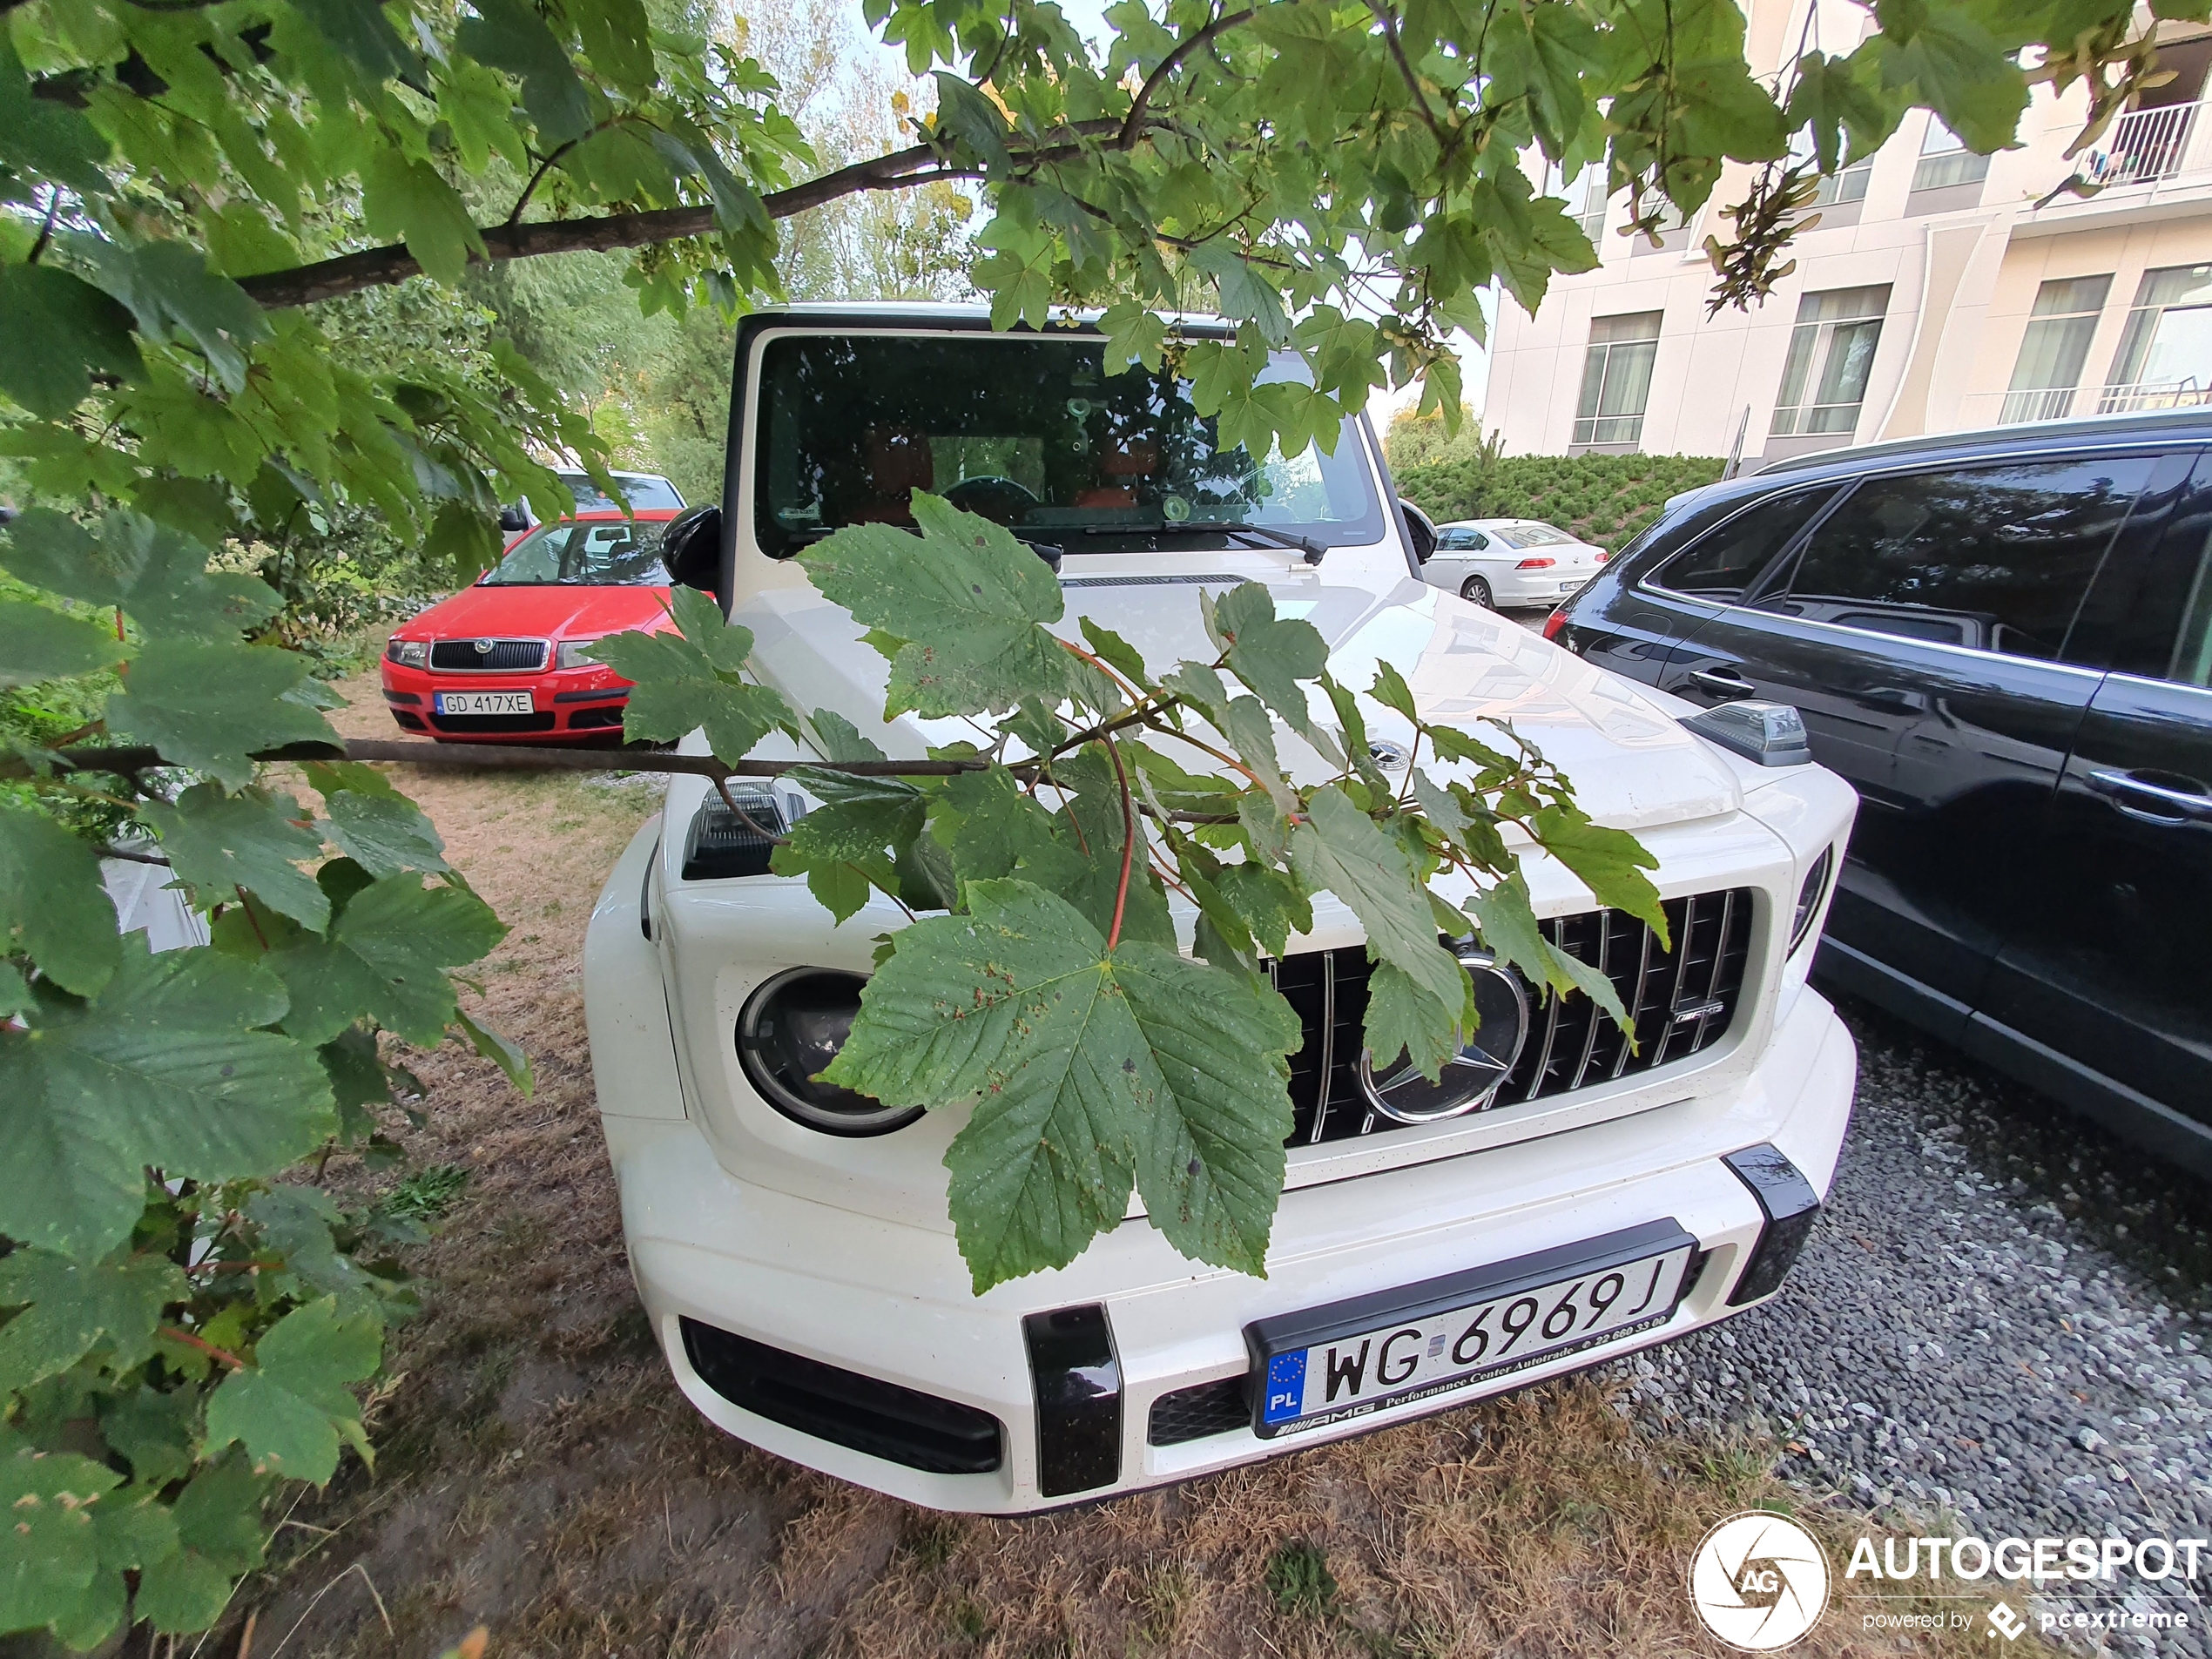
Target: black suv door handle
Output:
{"points": [[1721, 682], [2154, 803]]}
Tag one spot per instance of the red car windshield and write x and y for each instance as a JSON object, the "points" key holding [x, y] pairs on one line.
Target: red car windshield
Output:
{"points": [[603, 553]]}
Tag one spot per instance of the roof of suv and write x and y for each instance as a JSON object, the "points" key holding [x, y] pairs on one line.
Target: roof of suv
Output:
{"points": [[2145, 426]]}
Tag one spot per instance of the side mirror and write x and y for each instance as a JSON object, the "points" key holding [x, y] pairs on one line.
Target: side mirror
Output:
{"points": [[691, 549], [1420, 531], [513, 517]]}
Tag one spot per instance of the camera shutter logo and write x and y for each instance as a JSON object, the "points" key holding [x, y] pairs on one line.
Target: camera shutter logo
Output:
{"points": [[1759, 1581]]}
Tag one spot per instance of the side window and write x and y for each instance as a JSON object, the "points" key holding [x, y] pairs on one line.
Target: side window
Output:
{"points": [[1476, 542], [2192, 664], [1994, 558], [1725, 561], [1451, 541]]}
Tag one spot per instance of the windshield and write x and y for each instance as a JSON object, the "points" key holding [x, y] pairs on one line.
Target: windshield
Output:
{"points": [[648, 493], [1534, 535], [1031, 433], [607, 553]]}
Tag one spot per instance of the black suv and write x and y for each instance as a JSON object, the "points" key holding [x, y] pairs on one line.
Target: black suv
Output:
{"points": [[2004, 640]]}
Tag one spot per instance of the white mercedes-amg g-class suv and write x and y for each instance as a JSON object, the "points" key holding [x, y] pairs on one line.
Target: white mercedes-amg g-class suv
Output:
{"points": [[1563, 1197]]}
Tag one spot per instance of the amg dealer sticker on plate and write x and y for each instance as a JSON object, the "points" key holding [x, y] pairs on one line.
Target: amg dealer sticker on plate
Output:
{"points": [[1329, 1364]]}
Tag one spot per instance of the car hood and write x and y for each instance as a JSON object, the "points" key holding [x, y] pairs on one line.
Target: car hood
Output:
{"points": [[550, 612], [1632, 765]]}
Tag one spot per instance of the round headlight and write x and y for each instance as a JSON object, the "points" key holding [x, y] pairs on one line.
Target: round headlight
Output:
{"points": [[1472, 1075], [1808, 897], [791, 1030]]}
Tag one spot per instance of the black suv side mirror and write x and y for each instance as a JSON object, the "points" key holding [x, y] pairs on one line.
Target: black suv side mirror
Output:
{"points": [[691, 550], [513, 517], [1420, 530]]}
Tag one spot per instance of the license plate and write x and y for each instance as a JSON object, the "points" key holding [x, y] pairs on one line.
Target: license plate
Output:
{"points": [[1327, 1365], [1569, 587], [484, 702]]}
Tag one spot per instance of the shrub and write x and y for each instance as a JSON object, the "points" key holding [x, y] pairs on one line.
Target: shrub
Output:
{"points": [[1604, 499]]}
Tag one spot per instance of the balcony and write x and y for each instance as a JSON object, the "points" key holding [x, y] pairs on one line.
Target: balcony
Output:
{"points": [[2039, 403], [2169, 395], [2144, 146]]}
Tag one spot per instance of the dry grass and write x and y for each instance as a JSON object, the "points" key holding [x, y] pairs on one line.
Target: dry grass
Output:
{"points": [[538, 1473]]}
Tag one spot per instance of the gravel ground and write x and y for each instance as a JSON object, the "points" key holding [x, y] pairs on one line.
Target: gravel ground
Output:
{"points": [[1995, 1331]]}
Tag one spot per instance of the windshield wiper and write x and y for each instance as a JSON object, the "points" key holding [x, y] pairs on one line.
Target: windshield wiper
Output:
{"points": [[1314, 551], [1050, 552]]}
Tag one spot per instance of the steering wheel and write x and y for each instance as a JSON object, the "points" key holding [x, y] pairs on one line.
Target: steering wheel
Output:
{"points": [[1000, 500]]}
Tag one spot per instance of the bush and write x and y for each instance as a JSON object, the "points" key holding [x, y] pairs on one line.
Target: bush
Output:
{"points": [[1603, 499]]}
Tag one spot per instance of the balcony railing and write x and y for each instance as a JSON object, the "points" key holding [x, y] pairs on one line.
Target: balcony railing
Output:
{"points": [[2167, 394], [2037, 403], [2143, 146]]}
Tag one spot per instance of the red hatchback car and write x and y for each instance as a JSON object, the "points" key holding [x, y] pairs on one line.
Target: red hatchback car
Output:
{"points": [[501, 661]]}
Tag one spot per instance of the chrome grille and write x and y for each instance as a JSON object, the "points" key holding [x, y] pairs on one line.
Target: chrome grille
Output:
{"points": [[1682, 1002], [487, 655]]}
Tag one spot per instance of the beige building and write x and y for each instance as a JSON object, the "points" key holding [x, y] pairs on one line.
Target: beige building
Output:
{"points": [[1938, 292]]}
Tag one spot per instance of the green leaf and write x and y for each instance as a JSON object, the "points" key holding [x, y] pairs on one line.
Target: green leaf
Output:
{"points": [[62, 329], [1341, 848], [690, 678], [1246, 294], [385, 833], [52, 906], [163, 1068], [44, 138], [297, 1225], [510, 35], [38, 644], [220, 1534], [74, 1306], [839, 739], [617, 38], [1111, 648], [502, 1052], [385, 957], [410, 201], [1610, 862], [1270, 654], [291, 1409], [1404, 1019], [210, 706], [1268, 903], [979, 598], [358, 1081], [174, 296], [1508, 922], [50, 1571], [155, 1430], [156, 574], [1084, 1072], [859, 816], [251, 840], [359, 29]]}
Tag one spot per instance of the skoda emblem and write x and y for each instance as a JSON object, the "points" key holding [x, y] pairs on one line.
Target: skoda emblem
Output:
{"points": [[1471, 1076], [483, 647]]}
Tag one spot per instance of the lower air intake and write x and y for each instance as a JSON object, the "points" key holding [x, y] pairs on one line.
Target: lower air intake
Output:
{"points": [[1681, 1001], [1198, 1412], [884, 1420]]}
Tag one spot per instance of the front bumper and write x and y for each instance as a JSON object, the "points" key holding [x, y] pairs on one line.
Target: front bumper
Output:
{"points": [[565, 703], [891, 1301]]}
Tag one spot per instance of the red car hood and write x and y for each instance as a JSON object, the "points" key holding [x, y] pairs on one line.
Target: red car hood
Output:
{"points": [[575, 612]]}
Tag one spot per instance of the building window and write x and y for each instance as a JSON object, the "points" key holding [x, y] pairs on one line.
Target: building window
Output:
{"points": [[2165, 357], [1616, 378], [1584, 195], [1945, 161], [2053, 348], [1847, 186], [1831, 352]]}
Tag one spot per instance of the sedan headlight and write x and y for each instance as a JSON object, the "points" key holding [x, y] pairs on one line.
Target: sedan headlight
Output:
{"points": [[1808, 897], [570, 654], [407, 653], [791, 1030]]}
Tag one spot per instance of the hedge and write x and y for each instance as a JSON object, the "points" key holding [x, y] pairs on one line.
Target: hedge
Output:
{"points": [[1603, 499]]}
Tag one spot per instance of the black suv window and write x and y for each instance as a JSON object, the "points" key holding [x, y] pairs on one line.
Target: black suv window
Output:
{"points": [[1724, 563], [1995, 559]]}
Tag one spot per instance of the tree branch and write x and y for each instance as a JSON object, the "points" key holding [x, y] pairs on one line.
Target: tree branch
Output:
{"points": [[375, 267], [1129, 847], [1133, 126]]}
